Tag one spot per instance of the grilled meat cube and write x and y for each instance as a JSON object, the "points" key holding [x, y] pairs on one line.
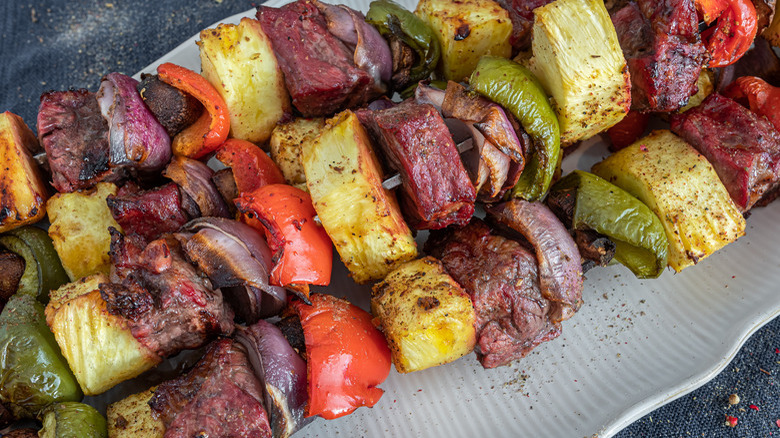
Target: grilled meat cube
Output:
{"points": [[502, 278], [219, 396], [75, 136], [319, 71], [436, 190], [661, 43], [149, 213], [173, 108], [743, 148]]}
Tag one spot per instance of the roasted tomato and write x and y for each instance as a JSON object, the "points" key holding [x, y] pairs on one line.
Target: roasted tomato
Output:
{"points": [[347, 357], [755, 93], [628, 130], [252, 167], [733, 35]]}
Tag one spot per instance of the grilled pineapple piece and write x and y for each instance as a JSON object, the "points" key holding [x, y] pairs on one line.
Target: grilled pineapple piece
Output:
{"points": [[240, 63], [286, 141], [99, 347], [132, 417], [24, 191], [79, 230], [682, 188], [427, 318], [467, 30], [361, 217], [706, 85], [578, 60]]}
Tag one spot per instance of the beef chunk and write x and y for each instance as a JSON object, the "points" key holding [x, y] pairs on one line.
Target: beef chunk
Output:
{"points": [[501, 276], [743, 148], [11, 270], [663, 50], [220, 396], [168, 305], [521, 12], [75, 137], [149, 213], [436, 190], [173, 108], [318, 68]]}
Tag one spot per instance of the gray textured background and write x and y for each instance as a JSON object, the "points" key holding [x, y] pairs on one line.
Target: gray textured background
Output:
{"points": [[58, 44]]}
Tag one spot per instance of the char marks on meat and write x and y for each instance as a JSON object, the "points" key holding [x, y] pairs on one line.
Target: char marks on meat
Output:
{"points": [[75, 136], [167, 304], [436, 189], [318, 68], [149, 213], [219, 397], [501, 276], [173, 108], [743, 147], [663, 50], [521, 12]]}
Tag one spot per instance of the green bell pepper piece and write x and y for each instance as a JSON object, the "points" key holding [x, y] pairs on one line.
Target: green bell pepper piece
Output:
{"points": [[73, 420], [33, 373], [514, 87], [43, 270], [392, 19], [639, 236]]}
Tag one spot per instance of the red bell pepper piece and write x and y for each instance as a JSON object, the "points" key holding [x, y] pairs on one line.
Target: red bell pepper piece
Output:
{"points": [[628, 130], [347, 357], [252, 167], [755, 93], [213, 127], [734, 33], [302, 251]]}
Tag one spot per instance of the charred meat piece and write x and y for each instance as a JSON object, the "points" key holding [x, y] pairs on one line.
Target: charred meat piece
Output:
{"points": [[743, 148], [173, 108], [149, 213], [436, 190], [11, 271], [168, 306], [319, 69], [521, 12], [663, 50], [75, 136], [219, 396], [502, 278], [765, 11]]}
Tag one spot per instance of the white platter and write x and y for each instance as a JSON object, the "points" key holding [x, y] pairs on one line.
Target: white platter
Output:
{"points": [[633, 347]]}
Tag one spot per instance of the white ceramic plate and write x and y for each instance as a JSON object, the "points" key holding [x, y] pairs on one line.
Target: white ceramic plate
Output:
{"points": [[634, 346]]}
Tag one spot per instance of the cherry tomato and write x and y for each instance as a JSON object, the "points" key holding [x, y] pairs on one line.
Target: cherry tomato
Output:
{"points": [[733, 35], [628, 130], [252, 168], [762, 98], [347, 357], [302, 251], [213, 127]]}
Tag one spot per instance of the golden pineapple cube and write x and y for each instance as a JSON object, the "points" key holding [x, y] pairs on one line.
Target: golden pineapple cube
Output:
{"points": [[467, 30], [132, 417], [240, 63], [682, 189], [361, 217], [427, 318], [580, 64], [286, 143], [24, 190]]}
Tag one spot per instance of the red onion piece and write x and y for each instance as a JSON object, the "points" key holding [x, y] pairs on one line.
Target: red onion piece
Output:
{"points": [[135, 137], [560, 266], [424, 93], [283, 373], [371, 51], [236, 259], [195, 178]]}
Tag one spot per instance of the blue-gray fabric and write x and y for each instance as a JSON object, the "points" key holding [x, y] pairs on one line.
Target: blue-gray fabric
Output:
{"points": [[59, 44]]}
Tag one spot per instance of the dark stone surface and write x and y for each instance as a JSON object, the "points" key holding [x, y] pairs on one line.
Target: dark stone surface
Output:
{"points": [[59, 44]]}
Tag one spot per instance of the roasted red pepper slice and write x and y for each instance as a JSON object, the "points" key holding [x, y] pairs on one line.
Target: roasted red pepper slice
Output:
{"points": [[302, 251], [628, 130], [733, 35], [347, 357], [252, 167], [755, 93], [213, 127]]}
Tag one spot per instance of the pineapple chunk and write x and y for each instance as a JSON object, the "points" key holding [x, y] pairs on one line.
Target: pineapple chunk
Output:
{"points": [[361, 217], [79, 230], [682, 189], [24, 191], [99, 346], [578, 60], [240, 63], [467, 30], [706, 85], [132, 417], [286, 141], [427, 318]]}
